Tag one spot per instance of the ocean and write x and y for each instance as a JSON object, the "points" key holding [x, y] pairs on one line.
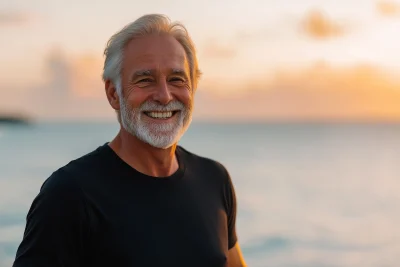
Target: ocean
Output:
{"points": [[309, 195]]}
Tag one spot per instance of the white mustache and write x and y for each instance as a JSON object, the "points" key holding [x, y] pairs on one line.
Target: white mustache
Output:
{"points": [[154, 106]]}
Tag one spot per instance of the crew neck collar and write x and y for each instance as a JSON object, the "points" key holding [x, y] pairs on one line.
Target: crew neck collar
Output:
{"points": [[124, 167]]}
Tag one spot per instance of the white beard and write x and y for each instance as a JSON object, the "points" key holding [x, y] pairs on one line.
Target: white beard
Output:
{"points": [[160, 135]]}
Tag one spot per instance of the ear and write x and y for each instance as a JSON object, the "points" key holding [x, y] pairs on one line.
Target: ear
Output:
{"points": [[112, 94]]}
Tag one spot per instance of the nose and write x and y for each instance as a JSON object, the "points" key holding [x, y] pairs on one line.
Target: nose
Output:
{"points": [[162, 93]]}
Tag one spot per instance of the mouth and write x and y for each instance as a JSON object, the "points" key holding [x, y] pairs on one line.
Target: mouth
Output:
{"points": [[161, 115]]}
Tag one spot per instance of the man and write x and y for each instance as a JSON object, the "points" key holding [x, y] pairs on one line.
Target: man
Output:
{"points": [[139, 200]]}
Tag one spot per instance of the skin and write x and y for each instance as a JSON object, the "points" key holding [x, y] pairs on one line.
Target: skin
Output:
{"points": [[163, 56]]}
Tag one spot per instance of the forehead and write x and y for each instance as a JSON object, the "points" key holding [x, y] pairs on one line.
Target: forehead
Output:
{"points": [[154, 52]]}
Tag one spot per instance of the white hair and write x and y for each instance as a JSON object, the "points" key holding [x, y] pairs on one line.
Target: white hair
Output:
{"points": [[145, 25]]}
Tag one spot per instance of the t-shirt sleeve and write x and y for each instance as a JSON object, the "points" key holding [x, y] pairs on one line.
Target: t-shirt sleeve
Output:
{"points": [[231, 206], [56, 226]]}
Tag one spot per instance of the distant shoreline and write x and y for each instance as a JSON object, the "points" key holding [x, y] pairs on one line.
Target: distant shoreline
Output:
{"points": [[13, 119]]}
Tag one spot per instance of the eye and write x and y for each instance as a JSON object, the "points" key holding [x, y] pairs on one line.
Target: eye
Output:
{"points": [[177, 80], [147, 80]]}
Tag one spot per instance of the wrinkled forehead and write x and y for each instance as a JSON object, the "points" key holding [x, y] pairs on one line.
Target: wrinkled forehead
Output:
{"points": [[155, 52]]}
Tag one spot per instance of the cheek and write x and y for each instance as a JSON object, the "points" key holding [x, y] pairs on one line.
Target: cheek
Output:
{"points": [[186, 97], [136, 97]]}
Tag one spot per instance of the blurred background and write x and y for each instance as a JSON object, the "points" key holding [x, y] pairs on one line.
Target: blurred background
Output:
{"points": [[300, 100]]}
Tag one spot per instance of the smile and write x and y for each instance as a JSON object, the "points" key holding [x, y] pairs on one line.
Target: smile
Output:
{"points": [[160, 115]]}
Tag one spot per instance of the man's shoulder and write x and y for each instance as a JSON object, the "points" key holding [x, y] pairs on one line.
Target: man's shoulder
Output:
{"points": [[71, 173], [89, 161]]}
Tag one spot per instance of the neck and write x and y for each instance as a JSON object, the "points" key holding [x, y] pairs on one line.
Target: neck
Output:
{"points": [[143, 157]]}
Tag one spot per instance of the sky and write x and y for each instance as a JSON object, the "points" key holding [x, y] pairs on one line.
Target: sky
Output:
{"points": [[261, 59]]}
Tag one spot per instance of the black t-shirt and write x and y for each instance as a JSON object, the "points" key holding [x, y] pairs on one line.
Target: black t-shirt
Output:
{"points": [[98, 211]]}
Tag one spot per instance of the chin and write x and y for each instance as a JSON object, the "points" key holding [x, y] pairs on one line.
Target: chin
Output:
{"points": [[162, 141], [154, 137]]}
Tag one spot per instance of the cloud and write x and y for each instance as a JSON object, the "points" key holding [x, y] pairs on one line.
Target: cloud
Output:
{"points": [[72, 88], [14, 18], [388, 8], [73, 75], [317, 25], [86, 76], [214, 49], [320, 93], [265, 32]]}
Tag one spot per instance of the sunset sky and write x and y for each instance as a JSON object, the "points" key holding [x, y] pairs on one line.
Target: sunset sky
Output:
{"points": [[261, 59]]}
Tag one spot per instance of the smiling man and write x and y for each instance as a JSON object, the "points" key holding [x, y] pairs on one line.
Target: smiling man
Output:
{"points": [[139, 200]]}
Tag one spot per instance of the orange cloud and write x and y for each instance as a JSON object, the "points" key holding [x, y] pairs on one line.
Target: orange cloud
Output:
{"points": [[72, 89], [86, 76], [77, 76], [388, 8], [317, 25], [14, 18], [213, 49], [320, 93]]}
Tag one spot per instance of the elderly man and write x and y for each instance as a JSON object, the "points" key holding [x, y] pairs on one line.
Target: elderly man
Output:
{"points": [[139, 200]]}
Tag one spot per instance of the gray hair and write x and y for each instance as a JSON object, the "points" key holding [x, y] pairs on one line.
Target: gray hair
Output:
{"points": [[145, 25]]}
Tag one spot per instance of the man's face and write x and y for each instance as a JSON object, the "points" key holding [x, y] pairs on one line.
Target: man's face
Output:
{"points": [[156, 102]]}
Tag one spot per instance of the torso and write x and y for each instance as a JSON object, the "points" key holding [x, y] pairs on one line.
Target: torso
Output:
{"points": [[143, 221]]}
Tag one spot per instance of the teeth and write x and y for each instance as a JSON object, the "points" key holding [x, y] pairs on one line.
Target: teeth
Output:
{"points": [[161, 115]]}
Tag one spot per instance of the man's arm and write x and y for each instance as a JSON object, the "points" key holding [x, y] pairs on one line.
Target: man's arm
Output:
{"points": [[235, 257], [56, 227]]}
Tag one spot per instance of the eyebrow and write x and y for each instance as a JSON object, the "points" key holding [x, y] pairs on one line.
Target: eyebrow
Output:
{"points": [[149, 72], [180, 72], [142, 73]]}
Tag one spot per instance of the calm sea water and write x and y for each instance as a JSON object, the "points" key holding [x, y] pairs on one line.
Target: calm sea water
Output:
{"points": [[309, 195]]}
